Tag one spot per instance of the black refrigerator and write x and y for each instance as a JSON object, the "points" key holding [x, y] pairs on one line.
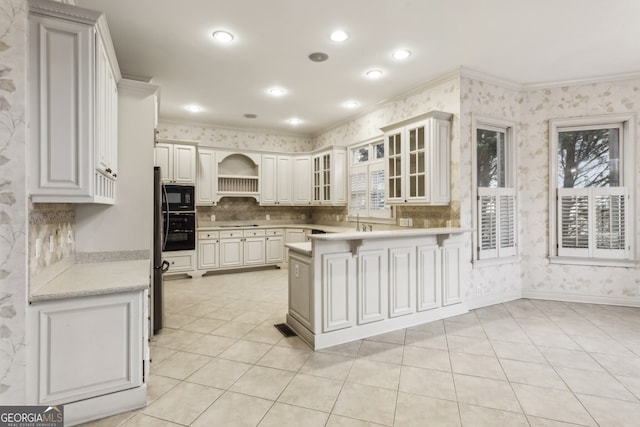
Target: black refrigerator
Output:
{"points": [[159, 266]]}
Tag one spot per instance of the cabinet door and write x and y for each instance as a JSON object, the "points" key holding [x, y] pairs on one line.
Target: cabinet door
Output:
{"points": [[208, 254], [372, 286], [179, 261], [285, 179], [206, 182], [394, 148], [429, 277], [254, 250], [417, 156], [317, 179], [269, 179], [327, 179], [302, 180], [402, 282], [231, 252], [88, 346], [163, 154], [338, 291], [451, 256], [339, 174], [61, 103], [274, 249], [184, 164], [441, 155]]}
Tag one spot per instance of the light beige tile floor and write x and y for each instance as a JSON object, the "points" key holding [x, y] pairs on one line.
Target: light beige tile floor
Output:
{"points": [[220, 362]]}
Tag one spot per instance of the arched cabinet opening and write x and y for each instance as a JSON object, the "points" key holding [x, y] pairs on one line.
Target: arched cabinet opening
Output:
{"points": [[239, 175]]}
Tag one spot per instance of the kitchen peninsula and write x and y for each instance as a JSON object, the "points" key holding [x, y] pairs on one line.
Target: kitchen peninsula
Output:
{"points": [[352, 285]]}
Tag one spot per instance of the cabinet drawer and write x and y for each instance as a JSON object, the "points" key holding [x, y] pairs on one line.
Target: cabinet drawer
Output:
{"points": [[204, 235], [179, 263], [254, 233], [275, 232], [227, 234]]}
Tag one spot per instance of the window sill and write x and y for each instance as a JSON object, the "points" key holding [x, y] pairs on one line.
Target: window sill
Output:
{"points": [[480, 263], [603, 262]]}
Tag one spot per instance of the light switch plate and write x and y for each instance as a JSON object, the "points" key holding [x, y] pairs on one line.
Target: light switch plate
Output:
{"points": [[267, 217], [213, 218]]}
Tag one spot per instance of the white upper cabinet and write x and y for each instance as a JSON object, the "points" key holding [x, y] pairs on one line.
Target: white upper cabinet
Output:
{"points": [[276, 180], [206, 183], [301, 179], [73, 105], [329, 177], [419, 160], [177, 162]]}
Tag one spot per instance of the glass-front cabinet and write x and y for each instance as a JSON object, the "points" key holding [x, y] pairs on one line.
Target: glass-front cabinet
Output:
{"points": [[418, 160], [329, 177]]}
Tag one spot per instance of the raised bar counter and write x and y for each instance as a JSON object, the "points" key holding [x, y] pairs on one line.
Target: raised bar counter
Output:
{"points": [[352, 285]]}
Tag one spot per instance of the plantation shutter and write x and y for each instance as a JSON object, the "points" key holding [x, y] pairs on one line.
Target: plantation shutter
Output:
{"points": [[507, 221], [592, 222], [358, 187], [377, 207], [497, 222]]}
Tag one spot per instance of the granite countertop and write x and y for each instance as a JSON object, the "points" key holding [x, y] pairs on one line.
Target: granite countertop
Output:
{"points": [[81, 280], [384, 234], [221, 226], [303, 247]]}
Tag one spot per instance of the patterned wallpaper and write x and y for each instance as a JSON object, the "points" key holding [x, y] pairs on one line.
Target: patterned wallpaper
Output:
{"points": [[234, 138], [13, 204], [539, 106]]}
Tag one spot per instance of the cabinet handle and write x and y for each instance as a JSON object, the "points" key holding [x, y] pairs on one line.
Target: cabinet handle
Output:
{"points": [[108, 170], [115, 175]]}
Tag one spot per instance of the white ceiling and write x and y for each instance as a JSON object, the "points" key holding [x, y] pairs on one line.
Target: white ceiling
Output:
{"points": [[527, 42]]}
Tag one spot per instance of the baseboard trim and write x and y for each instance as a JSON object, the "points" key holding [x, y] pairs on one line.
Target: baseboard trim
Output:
{"points": [[589, 299], [488, 300]]}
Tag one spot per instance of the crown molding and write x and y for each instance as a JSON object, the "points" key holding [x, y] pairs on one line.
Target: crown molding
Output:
{"points": [[585, 81], [256, 130], [138, 86]]}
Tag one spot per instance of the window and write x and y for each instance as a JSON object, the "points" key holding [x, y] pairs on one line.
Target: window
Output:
{"points": [[366, 181], [494, 167], [591, 173]]}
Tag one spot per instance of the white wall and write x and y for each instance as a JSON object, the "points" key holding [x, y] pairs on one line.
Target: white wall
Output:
{"points": [[127, 225]]}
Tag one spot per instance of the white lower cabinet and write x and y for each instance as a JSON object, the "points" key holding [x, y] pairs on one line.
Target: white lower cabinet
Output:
{"points": [[338, 291], [372, 286], [254, 249], [180, 261], [429, 277], [88, 346], [208, 250], [451, 263], [274, 246], [231, 252], [402, 281]]}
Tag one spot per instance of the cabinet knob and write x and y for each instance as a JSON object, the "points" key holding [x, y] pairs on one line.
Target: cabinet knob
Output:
{"points": [[108, 170], [115, 175]]}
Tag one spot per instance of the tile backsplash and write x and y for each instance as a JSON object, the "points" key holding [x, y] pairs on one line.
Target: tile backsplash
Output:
{"points": [[52, 225], [248, 209]]}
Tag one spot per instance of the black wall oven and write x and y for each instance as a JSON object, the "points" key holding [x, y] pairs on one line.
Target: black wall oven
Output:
{"points": [[180, 231]]}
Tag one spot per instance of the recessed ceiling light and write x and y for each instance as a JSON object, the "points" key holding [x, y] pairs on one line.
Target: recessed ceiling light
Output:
{"points": [[339, 36], [194, 108], [374, 74], [401, 54], [351, 104], [277, 91], [294, 121], [223, 36]]}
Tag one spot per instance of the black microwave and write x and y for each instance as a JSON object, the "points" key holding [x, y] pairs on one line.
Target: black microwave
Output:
{"points": [[178, 198]]}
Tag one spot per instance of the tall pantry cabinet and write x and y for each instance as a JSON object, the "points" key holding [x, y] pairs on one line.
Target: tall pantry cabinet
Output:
{"points": [[73, 105]]}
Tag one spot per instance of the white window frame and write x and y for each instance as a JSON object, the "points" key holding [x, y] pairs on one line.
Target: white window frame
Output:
{"points": [[509, 253], [372, 164], [628, 168]]}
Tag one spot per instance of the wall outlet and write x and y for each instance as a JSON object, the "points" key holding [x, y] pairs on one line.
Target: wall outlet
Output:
{"points": [[213, 218], [267, 217], [69, 236], [38, 248], [404, 222]]}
